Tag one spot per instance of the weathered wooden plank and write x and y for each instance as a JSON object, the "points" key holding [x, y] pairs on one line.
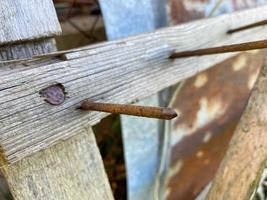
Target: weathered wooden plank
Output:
{"points": [[245, 159], [26, 49], [72, 169], [118, 71], [15, 16]]}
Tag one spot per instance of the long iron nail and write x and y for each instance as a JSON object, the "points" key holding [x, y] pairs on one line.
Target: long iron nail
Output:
{"points": [[262, 44], [253, 25], [126, 109]]}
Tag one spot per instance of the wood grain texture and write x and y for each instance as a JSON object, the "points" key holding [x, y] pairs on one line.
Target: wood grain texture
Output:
{"points": [[72, 169], [120, 71], [245, 159], [26, 49], [26, 20]]}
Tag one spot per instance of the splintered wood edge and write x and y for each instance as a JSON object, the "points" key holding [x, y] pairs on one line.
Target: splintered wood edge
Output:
{"points": [[41, 15], [120, 71]]}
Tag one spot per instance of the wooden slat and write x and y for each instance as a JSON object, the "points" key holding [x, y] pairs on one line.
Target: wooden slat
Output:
{"points": [[120, 71], [16, 15], [245, 159], [27, 49], [72, 169]]}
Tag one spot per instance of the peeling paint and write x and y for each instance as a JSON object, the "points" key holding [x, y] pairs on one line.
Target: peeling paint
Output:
{"points": [[209, 110], [199, 154], [175, 169], [201, 80], [239, 63], [207, 137]]}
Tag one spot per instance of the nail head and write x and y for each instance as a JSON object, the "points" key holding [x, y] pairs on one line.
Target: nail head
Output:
{"points": [[54, 95]]}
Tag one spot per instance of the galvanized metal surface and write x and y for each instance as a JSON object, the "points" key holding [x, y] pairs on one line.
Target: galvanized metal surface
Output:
{"points": [[141, 137], [125, 18], [210, 103], [141, 149]]}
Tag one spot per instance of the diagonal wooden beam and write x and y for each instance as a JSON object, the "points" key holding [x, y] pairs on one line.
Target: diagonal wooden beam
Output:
{"points": [[120, 71], [241, 169]]}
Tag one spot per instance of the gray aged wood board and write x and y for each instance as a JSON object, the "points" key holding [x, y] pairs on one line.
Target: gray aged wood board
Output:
{"points": [[72, 169], [27, 19], [120, 71], [26, 49]]}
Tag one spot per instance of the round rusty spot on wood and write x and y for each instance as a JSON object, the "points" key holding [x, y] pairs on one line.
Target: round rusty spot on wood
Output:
{"points": [[55, 94]]}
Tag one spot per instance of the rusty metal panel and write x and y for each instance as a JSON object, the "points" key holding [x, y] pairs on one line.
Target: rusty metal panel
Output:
{"points": [[210, 104], [187, 10]]}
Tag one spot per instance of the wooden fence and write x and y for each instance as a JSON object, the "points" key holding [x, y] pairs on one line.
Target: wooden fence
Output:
{"points": [[49, 151]]}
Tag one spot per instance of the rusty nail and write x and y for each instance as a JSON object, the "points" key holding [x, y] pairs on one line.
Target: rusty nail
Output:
{"points": [[141, 111], [262, 44], [248, 26]]}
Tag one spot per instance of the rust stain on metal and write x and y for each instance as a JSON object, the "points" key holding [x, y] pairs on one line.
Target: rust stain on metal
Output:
{"points": [[217, 98], [54, 94], [199, 167], [183, 11]]}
